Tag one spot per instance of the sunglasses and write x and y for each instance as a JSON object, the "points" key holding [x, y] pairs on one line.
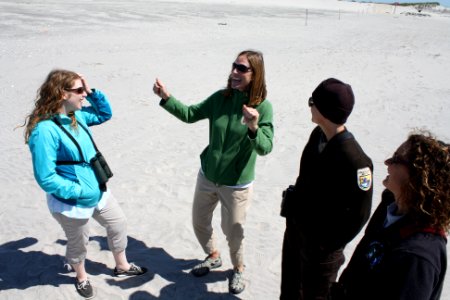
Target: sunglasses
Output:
{"points": [[310, 101], [241, 68], [397, 159], [79, 90]]}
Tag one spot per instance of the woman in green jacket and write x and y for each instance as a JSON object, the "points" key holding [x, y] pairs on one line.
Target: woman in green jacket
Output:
{"points": [[240, 128]]}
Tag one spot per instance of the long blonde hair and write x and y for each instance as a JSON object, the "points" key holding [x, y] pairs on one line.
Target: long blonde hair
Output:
{"points": [[257, 87], [49, 99]]}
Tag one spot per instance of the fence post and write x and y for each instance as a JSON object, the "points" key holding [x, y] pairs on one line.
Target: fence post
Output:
{"points": [[306, 17]]}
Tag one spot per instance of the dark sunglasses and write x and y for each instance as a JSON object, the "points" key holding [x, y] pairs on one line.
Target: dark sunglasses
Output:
{"points": [[241, 68], [310, 101], [79, 90], [397, 159]]}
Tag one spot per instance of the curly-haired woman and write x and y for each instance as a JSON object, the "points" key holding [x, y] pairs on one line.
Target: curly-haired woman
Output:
{"points": [[61, 148], [403, 252]]}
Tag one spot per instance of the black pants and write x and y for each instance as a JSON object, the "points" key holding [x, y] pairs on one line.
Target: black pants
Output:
{"points": [[306, 272]]}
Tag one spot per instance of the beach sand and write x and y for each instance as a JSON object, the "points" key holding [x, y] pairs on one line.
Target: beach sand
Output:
{"points": [[398, 67]]}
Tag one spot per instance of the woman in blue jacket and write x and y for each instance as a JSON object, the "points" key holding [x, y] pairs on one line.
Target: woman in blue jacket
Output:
{"points": [[62, 149]]}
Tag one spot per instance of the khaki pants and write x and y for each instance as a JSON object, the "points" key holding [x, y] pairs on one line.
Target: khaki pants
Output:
{"points": [[234, 204], [77, 230]]}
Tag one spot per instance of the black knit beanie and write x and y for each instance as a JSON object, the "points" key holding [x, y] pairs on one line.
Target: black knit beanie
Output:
{"points": [[334, 99]]}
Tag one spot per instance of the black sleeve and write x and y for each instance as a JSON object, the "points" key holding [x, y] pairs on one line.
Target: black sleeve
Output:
{"points": [[351, 203]]}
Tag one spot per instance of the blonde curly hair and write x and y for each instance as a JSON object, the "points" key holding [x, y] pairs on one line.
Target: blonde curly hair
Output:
{"points": [[49, 99]]}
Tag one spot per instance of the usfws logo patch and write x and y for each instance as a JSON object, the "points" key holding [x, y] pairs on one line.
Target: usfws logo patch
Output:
{"points": [[364, 177]]}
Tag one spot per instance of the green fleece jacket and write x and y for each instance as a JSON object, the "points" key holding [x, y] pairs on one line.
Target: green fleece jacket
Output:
{"points": [[230, 157]]}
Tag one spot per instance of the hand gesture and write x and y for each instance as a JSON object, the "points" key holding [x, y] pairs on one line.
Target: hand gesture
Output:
{"points": [[85, 84], [250, 117], [160, 89]]}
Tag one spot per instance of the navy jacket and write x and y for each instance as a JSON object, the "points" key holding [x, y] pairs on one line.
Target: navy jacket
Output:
{"points": [[400, 262]]}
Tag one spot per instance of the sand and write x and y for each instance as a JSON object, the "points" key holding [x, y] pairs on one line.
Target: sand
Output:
{"points": [[398, 66]]}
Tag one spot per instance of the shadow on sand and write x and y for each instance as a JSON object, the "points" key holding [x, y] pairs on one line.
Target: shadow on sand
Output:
{"points": [[20, 270]]}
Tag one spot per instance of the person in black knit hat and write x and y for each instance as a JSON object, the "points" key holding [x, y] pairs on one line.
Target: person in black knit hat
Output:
{"points": [[334, 100], [330, 201]]}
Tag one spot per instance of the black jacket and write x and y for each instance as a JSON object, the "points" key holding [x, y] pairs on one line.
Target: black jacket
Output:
{"points": [[332, 202], [399, 262]]}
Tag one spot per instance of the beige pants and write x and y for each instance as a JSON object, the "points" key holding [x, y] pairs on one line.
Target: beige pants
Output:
{"points": [[234, 204], [111, 217]]}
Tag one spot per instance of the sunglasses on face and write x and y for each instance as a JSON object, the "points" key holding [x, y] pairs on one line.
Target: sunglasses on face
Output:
{"points": [[79, 90], [310, 101], [397, 159], [241, 68]]}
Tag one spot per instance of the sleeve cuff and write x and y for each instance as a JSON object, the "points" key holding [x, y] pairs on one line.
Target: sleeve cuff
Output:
{"points": [[162, 102], [251, 134]]}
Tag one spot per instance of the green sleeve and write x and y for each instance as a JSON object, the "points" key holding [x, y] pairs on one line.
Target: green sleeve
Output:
{"points": [[185, 113], [263, 141]]}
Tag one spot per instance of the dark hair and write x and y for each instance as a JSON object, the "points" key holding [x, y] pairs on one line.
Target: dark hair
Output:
{"points": [[427, 193], [257, 87], [49, 98]]}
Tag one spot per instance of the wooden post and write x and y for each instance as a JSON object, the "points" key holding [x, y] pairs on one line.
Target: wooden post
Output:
{"points": [[306, 17]]}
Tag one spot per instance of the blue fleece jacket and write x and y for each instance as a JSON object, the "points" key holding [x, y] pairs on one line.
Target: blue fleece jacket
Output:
{"points": [[72, 184]]}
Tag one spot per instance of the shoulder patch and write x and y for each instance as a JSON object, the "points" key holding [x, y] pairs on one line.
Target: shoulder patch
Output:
{"points": [[364, 178]]}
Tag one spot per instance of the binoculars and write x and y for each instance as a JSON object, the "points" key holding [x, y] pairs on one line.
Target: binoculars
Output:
{"points": [[101, 169]]}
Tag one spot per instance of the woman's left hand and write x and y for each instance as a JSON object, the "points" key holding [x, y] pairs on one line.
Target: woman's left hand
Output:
{"points": [[85, 84], [251, 117]]}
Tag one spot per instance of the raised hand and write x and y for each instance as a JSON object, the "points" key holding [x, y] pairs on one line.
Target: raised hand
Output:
{"points": [[160, 89], [250, 117], [85, 84]]}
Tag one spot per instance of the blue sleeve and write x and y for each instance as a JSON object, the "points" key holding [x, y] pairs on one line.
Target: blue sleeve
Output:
{"points": [[44, 143], [99, 111]]}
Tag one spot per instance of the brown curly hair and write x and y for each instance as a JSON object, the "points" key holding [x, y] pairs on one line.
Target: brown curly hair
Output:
{"points": [[427, 193], [257, 87], [49, 99]]}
